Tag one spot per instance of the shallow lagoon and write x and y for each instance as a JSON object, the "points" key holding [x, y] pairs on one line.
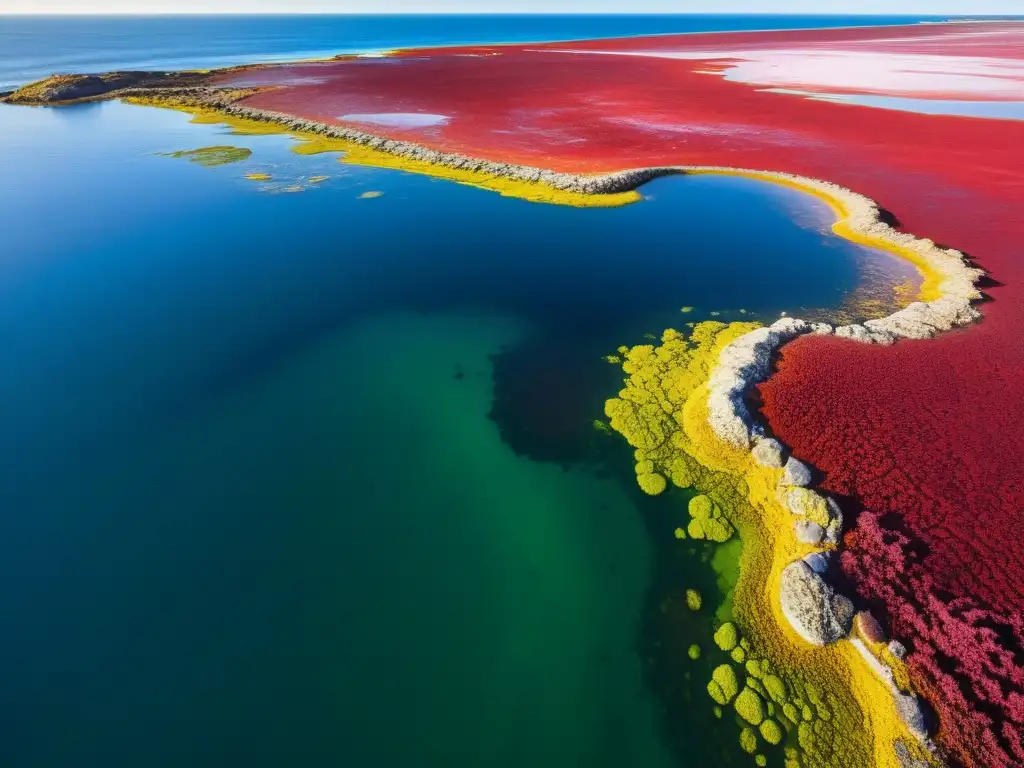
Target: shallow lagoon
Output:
{"points": [[304, 475]]}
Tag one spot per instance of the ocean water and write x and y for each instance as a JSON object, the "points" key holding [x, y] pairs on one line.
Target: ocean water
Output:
{"points": [[293, 474], [34, 47]]}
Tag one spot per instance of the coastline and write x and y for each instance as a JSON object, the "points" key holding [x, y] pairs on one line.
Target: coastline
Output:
{"points": [[331, 50], [742, 364], [747, 361]]}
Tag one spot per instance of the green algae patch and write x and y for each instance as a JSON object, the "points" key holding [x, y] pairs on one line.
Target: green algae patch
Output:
{"points": [[258, 176], [724, 684], [693, 600], [726, 636], [651, 483], [750, 706], [318, 179], [748, 740], [211, 157], [708, 521], [771, 732]]}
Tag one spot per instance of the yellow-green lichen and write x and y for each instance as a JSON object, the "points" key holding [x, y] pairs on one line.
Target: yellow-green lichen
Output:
{"points": [[775, 687], [693, 600], [726, 636], [748, 740], [771, 732], [750, 706], [724, 685], [791, 713], [652, 483], [758, 686], [708, 521], [694, 652]]}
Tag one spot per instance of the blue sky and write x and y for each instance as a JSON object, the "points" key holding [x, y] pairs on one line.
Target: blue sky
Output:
{"points": [[521, 6]]}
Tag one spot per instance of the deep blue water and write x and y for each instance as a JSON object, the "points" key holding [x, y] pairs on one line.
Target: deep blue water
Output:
{"points": [[274, 479], [34, 47]]}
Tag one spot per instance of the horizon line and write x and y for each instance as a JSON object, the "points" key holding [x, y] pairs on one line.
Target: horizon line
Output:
{"points": [[992, 16]]}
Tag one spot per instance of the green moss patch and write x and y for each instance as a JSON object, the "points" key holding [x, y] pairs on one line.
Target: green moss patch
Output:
{"points": [[211, 157]]}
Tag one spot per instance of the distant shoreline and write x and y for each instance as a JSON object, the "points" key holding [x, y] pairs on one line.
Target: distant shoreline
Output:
{"points": [[372, 33]]}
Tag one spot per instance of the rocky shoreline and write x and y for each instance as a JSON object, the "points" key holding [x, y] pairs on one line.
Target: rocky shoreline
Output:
{"points": [[818, 613]]}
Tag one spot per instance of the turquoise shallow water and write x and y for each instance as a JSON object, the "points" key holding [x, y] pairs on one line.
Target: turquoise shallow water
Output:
{"points": [[302, 477]]}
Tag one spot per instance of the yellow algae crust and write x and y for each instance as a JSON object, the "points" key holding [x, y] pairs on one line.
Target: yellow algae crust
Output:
{"points": [[823, 704], [359, 154], [535, 192]]}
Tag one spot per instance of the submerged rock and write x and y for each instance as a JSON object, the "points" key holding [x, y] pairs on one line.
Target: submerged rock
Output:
{"points": [[815, 611]]}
